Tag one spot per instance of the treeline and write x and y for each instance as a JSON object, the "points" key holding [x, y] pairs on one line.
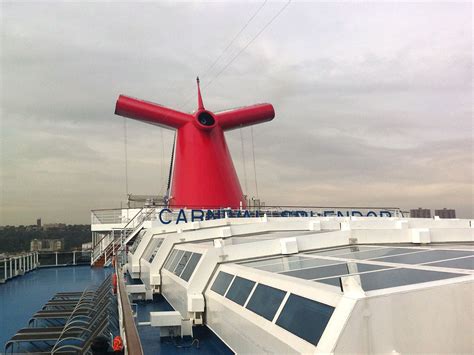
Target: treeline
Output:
{"points": [[17, 239]]}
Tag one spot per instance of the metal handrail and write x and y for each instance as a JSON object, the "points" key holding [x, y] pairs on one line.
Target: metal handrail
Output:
{"points": [[99, 242], [149, 213], [132, 340], [122, 228], [140, 216]]}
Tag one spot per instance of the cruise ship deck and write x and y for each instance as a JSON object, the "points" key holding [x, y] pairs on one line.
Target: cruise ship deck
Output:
{"points": [[300, 284], [22, 296]]}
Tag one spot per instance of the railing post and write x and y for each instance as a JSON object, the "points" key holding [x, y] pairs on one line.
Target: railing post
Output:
{"points": [[5, 269], [74, 257], [56, 258], [16, 266], [11, 268]]}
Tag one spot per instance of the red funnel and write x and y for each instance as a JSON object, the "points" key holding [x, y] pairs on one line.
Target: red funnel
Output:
{"points": [[204, 175]]}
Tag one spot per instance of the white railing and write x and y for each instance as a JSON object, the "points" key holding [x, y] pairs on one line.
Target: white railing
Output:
{"points": [[106, 216], [17, 265], [108, 244]]}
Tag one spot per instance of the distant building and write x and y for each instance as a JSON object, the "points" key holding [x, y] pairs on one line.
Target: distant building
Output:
{"points": [[420, 213], [35, 245], [445, 213], [47, 245], [38, 222]]}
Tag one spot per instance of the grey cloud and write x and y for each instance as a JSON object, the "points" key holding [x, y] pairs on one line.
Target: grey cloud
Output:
{"points": [[373, 101]]}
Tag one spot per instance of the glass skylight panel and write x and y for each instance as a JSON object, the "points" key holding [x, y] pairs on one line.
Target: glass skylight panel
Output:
{"points": [[285, 265], [259, 263], [377, 253], [464, 263], [189, 269], [137, 241], [265, 301], [343, 250], [158, 242], [170, 259], [333, 270], [426, 256], [401, 277], [305, 318], [182, 263], [394, 278], [176, 259], [239, 290], [222, 282]]}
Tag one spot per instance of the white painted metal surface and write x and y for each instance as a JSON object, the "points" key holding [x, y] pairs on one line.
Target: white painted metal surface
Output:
{"points": [[425, 315]]}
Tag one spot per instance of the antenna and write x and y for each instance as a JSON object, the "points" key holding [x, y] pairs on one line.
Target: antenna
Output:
{"points": [[200, 103]]}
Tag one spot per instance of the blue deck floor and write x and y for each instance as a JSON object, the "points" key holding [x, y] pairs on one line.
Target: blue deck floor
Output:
{"points": [[22, 296], [208, 343]]}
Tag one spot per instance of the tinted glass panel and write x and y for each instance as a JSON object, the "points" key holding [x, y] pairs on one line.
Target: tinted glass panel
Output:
{"points": [[401, 277], [285, 265], [177, 258], [155, 251], [333, 270], [257, 264], [222, 282], [305, 318], [334, 281], [170, 259], [137, 241], [189, 269], [345, 250], [239, 290], [182, 263], [466, 263], [265, 301], [426, 256], [369, 254]]}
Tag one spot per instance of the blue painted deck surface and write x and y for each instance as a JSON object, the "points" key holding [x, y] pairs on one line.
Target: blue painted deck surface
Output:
{"points": [[209, 343], [24, 295]]}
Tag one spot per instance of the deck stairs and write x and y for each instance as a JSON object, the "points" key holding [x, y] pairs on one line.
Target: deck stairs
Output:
{"points": [[105, 248]]}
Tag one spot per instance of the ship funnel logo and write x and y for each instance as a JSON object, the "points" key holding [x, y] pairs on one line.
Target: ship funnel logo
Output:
{"points": [[203, 173]]}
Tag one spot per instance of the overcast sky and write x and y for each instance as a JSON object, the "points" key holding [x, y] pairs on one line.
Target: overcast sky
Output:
{"points": [[373, 101]]}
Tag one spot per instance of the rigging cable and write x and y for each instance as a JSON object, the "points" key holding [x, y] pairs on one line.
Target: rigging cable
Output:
{"points": [[254, 164], [234, 38], [162, 162], [229, 45], [243, 160], [126, 155], [168, 190], [249, 43]]}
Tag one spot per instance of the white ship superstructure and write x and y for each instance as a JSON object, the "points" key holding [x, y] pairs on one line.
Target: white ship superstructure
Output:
{"points": [[310, 284]]}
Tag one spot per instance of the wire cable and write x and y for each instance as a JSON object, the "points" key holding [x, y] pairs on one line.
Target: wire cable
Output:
{"points": [[254, 164], [209, 68], [244, 48], [126, 154], [243, 160], [234, 38], [249, 43]]}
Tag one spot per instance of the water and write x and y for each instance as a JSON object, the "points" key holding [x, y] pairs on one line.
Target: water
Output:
{"points": [[24, 295]]}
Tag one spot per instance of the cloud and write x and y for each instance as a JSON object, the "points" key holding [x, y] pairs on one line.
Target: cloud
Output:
{"points": [[373, 101]]}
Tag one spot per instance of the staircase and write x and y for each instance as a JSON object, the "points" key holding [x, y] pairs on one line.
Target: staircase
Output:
{"points": [[107, 247]]}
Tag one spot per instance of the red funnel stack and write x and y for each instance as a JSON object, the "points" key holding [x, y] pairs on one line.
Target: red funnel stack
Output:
{"points": [[203, 175]]}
